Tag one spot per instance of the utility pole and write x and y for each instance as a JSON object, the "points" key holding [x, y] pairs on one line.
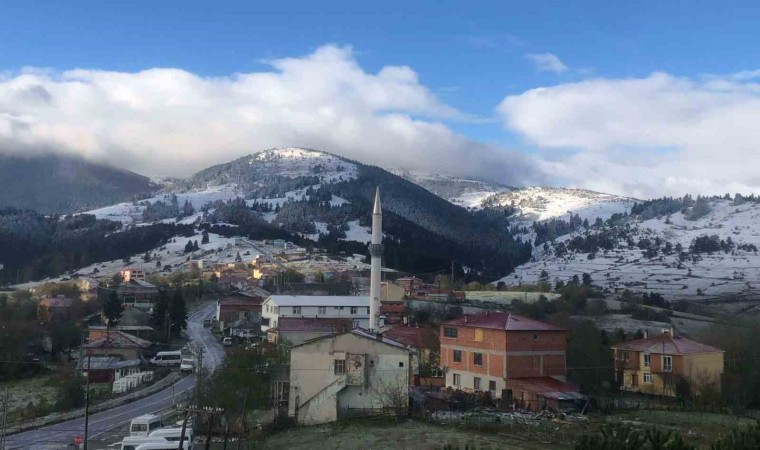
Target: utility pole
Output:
{"points": [[242, 421], [3, 420], [87, 405], [199, 377], [451, 282]]}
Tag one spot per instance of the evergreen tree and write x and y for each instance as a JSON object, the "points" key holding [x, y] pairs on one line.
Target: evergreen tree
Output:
{"points": [[205, 238], [160, 309], [238, 258], [195, 246], [112, 309], [189, 247], [177, 313]]}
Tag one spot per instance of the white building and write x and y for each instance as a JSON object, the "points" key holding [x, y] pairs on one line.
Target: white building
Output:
{"points": [[333, 376], [332, 306]]}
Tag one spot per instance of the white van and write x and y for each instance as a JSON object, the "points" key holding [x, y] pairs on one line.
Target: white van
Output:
{"points": [[144, 425], [132, 442], [188, 364], [167, 358], [162, 436], [163, 446]]}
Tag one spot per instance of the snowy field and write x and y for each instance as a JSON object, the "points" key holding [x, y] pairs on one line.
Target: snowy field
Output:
{"points": [[714, 275]]}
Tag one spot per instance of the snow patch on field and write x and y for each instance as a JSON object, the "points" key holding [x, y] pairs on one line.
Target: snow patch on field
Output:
{"points": [[709, 276]]}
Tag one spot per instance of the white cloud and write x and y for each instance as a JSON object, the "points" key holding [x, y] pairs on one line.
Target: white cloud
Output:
{"points": [[547, 62], [172, 122], [647, 136]]}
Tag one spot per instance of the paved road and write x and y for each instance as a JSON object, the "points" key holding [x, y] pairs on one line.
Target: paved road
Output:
{"points": [[58, 436]]}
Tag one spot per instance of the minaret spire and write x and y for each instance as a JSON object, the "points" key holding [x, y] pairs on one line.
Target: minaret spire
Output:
{"points": [[376, 253]]}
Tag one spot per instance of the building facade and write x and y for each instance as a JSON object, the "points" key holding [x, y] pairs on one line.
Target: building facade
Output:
{"points": [[333, 376], [489, 352], [333, 306], [655, 365]]}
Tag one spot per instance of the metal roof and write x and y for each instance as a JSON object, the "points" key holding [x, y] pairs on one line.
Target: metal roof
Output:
{"points": [[547, 387], [313, 324]]}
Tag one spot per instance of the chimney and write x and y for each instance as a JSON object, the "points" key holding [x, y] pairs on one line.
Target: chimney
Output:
{"points": [[379, 336], [646, 333], [672, 331], [466, 319]]}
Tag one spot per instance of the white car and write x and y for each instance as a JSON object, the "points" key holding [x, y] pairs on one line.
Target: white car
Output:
{"points": [[188, 364], [227, 342]]}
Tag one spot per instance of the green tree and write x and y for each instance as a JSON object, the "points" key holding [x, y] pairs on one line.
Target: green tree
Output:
{"points": [[177, 313], [160, 311], [589, 358], [205, 238], [112, 309]]}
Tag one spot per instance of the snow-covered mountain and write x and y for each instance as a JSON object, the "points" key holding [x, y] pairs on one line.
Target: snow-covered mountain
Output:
{"points": [[677, 255], [531, 203]]}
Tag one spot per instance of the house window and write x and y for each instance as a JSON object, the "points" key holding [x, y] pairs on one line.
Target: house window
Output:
{"points": [[476, 383], [622, 355], [667, 363], [322, 310], [354, 310], [355, 324], [478, 334], [296, 310], [492, 386], [478, 359], [450, 332], [646, 359], [535, 337], [401, 363], [340, 366], [458, 356], [634, 380], [647, 378], [457, 380], [367, 309]]}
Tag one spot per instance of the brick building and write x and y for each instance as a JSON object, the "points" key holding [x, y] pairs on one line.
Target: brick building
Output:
{"points": [[513, 358]]}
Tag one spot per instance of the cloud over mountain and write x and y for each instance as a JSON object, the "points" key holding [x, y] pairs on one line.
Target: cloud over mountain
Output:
{"points": [[172, 122], [656, 135]]}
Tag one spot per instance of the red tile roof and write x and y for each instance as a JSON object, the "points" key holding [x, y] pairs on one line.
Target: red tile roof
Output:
{"points": [[502, 321], [664, 343], [411, 336], [118, 339]]}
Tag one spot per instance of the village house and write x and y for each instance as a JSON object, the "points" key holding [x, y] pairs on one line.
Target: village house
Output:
{"points": [[95, 332], [346, 374], [655, 364], [132, 274], [239, 306], [513, 358], [88, 287], [55, 309], [137, 293], [391, 292], [296, 330], [395, 313], [351, 307], [117, 343], [107, 369]]}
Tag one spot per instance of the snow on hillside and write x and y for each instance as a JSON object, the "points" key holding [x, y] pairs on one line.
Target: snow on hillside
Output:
{"points": [[131, 213], [299, 162], [285, 162], [709, 275], [459, 191], [542, 203], [532, 203]]}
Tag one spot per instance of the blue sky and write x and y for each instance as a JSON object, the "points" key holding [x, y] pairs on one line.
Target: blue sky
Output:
{"points": [[470, 55]]}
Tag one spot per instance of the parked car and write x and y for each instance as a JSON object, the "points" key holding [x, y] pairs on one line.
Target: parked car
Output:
{"points": [[227, 341], [207, 323]]}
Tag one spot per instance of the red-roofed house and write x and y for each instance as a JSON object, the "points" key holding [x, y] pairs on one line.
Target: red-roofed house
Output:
{"points": [[239, 306], [511, 357], [654, 365], [394, 312]]}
